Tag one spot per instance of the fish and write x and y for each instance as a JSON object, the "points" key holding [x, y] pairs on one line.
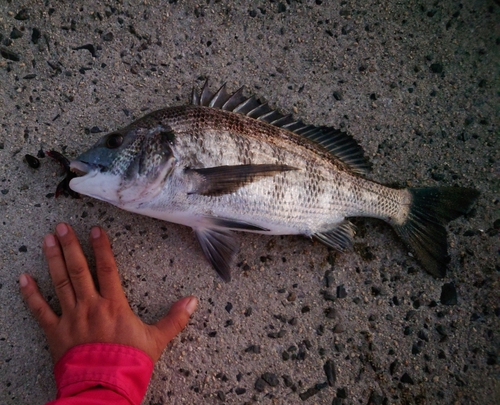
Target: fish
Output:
{"points": [[227, 162]]}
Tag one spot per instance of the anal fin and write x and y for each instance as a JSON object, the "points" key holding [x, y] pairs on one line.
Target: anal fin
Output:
{"points": [[339, 238], [220, 248]]}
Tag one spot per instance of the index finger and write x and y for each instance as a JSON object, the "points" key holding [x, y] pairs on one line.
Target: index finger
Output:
{"points": [[110, 285], [76, 263]]}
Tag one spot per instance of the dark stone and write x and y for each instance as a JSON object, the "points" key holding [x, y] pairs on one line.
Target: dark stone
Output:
{"points": [[331, 375], [8, 54], [35, 35], [276, 335], [95, 130], [15, 33], [436, 68], [309, 393], [415, 349], [393, 368], [22, 15], [281, 8], [228, 307], [30, 76], [88, 47], [108, 36], [287, 381], [376, 399], [342, 393], [252, 13], [448, 294], [423, 335], [23, 249], [253, 349], [337, 95], [240, 391], [405, 378], [260, 385], [32, 161], [341, 291], [330, 313], [271, 379]]}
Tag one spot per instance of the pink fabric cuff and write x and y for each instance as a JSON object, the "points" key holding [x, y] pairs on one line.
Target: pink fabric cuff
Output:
{"points": [[122, 369]]}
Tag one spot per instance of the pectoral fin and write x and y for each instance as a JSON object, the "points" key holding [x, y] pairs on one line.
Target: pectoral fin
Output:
{"points": [[220, 248], [220, 180]]}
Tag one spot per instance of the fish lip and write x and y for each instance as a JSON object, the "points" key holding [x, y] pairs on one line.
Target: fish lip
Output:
{"points": [[81, 168]]}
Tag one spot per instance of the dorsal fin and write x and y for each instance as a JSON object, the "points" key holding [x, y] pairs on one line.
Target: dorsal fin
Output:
{"points": [[338, 143]]}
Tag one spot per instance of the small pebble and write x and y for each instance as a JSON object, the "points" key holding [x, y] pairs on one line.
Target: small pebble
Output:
{"points": [[341, 291], [287, 380], [271, 379], [330, 313], [8, 54], [448, 294], [33, 162], [405, 378], [15, 33], [260, 385], [331, 375], [309, 393], [436, 68], [22, 15], [35, 35], [23, 249], [108, 37], [342, 393]]}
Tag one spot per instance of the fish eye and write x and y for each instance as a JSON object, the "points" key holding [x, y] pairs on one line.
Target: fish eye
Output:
{"points": [[114, 141]]}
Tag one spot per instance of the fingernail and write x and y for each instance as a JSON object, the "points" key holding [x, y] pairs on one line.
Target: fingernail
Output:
{"points": [[95, 232], [23, 280], [191, 305], [49, 240], [61, 229]]}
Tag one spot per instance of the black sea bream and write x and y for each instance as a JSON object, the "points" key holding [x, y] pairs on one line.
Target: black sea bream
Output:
{"points": [[230, 163]]}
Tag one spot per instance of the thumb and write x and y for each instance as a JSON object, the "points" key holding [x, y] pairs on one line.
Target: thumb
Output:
{"points": [[177, 318]]}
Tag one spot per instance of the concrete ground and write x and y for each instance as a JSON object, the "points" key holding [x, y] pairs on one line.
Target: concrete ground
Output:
{"points": [[415, 83]]}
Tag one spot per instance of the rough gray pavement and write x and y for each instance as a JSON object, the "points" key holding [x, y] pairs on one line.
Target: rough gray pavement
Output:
{"points": [[415, 82]]}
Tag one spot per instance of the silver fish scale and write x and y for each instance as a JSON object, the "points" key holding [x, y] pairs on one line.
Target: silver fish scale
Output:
{"points": [[314, 198]]}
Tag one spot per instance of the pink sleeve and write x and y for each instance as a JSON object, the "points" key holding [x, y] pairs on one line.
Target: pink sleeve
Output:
{"points": [[102, 374]]}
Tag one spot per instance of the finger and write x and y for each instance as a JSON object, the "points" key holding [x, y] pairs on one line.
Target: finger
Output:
{"points": [[37, 304], [58, 272], [177, 318], [110, 286], [76, 264]]}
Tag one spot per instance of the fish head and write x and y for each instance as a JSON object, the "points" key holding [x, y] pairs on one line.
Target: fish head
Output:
{"points": [[125, 166]]}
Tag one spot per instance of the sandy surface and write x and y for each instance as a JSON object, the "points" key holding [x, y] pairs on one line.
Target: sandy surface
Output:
{"points": [[415, 82]]}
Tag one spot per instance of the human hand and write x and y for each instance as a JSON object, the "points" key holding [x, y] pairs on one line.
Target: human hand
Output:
{"points": [[91, 316]]}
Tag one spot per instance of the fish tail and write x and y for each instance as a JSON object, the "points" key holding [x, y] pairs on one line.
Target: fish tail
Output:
{"points": [[424, 231]]}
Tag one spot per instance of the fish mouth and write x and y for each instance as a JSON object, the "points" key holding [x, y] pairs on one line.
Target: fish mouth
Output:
{"points": [[81, 168]]}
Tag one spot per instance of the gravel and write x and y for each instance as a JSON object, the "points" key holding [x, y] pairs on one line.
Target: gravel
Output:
{"points": [[358, 327]]}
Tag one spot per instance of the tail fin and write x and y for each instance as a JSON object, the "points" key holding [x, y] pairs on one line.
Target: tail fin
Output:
{"points": [[424, 232]]}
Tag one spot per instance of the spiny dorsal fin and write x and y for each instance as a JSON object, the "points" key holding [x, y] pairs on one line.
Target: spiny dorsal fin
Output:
{"points": [[338, 143]]}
